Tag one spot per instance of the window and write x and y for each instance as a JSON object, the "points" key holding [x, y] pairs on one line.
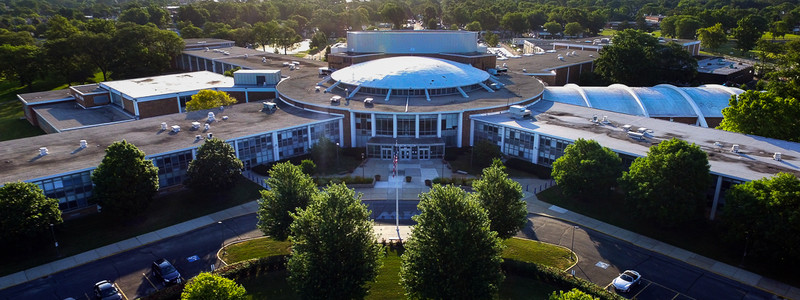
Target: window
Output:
{"points": [[72, 191], [292, 142], [172, 167], [363, 128], [256, 150], [406, 125], [519, 143], [384, 125], [427, 125], [550, 149], [450, 129]]}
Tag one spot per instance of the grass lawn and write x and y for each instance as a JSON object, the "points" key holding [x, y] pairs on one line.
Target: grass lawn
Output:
{"points": [[97, 230], [386, 285], [261, 247], [701, 237], [465, 162]]}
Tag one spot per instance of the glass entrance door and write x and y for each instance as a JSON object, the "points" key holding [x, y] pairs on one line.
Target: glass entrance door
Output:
{"points": [[405, 152], [386, 153], [424, 153]]}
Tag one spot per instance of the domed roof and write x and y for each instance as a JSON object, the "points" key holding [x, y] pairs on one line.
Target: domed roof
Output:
{"points": [[410, 72]]}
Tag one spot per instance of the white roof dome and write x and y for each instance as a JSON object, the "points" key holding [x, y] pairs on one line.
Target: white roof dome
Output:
{"points": [[410, 72]]}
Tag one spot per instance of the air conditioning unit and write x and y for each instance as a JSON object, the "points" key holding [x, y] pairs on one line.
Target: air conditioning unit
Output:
{"points": [[83, 143], [368, 101], [336, 99], [163, 125], [519, 112], [777, 156], [176, 128], [269, 107], [43, 151], [206, 126], [195, 125], [735, 148], [210, 117], [209, 135]]}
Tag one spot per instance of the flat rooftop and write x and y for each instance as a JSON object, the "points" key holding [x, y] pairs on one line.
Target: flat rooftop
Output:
{"points": [[300, 86], [538, 63], [21, 160], [65, 116], [570, 122], [254, 57], [89, 88], [721, 66], [170, 84], [46, 96]]}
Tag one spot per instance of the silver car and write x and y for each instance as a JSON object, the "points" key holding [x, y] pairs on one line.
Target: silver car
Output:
{"points": [[626, 280]]}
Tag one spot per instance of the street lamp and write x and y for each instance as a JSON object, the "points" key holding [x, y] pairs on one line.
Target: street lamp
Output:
{"points": [[572, 247], [337, 153], [363, 165], [53, 232], [221, 234]]}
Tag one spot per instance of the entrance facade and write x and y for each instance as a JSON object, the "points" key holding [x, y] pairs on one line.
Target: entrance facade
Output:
{"points": [[405, 149]]}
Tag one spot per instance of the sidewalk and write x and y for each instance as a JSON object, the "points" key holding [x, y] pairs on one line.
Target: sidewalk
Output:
{"points": [[536, 206]]}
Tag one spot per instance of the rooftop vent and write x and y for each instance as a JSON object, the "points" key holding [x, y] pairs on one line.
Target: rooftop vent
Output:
{"points": [[198, 137], [642, 130], [83, 143], [269, 107], [206, 127], [176, 128], [224, 118], [163, 125], [519, 111], [777, 156], [594, 119], [210, 135], [368, 101], [336, 99], [263, 60], [195, 125], [626, 127], [735, 148], [43, 151], [605, 119], [210, 117]]}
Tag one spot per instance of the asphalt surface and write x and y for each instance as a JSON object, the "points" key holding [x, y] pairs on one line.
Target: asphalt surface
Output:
{"points": [[601, 259]]}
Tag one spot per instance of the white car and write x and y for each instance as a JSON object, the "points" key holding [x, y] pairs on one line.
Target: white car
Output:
{"points": [[626, 280]]}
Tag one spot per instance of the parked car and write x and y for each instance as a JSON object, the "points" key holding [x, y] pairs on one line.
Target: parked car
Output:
{"points": [[626, 280], [166, 272], [105, 290]]}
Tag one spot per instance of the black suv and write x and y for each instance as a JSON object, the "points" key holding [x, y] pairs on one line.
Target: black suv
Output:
{"points": [[105, 290], [164, 270]]}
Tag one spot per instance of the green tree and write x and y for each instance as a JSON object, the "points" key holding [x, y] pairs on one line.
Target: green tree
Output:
{"points": [[23, 63], [230, 72], [748, 31], [308, 166], [765, 214], [764, 114], [712, 37], [473, 26], [319, 40], [290, 189], [206, 99], [124, 182], [574, 294], [215, 167], [25, 211], [452, 252], [287, 38], [779, 29], [587, 169], [667, 26], [265, 33], [637, 59], [553, 28], [193, 14], [190, 31], [334, 253], [573, 29], [394, 14], [517, 22], [59, 27], [686, 27], [152, 52], [669, 185], [491, 39], [324, 153], [138, 15], [483, 154], [206, 286], [502, 198]]}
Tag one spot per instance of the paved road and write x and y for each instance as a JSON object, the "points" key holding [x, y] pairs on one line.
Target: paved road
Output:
{"points": [[602, 258]]}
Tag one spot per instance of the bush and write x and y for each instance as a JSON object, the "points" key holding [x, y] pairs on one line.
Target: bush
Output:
{"points": [[324, 181], [454, 181], [557, 278], [253, 267], [308, 167]]}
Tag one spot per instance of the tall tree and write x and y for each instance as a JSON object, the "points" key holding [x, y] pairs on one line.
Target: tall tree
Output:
{"points": [[22, 63], [764, 114], [573, 29], [138, 15], [211, 286], [334, 253], [779, 29], [324, 153], [125, 182], [206, 99], [25, 211], [554, 28], [651, 184], [394, 14], [686, 27], [143, 50], [290, 189], [748, 31], [637, 59], [193, 14], [517, 22], [712, 37], [502, 198], [265, 33], [216, 166], [287, 38], [452, 252], [586, 169], [765, 214], [59, 27]]}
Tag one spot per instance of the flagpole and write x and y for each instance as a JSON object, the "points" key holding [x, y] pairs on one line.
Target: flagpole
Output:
{"points": [[396, 193]]}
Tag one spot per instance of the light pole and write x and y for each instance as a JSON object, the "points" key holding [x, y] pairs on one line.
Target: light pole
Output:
{"points": [[53, 232], [363, 165], [572, 247], [337, 153], [221, 234]]}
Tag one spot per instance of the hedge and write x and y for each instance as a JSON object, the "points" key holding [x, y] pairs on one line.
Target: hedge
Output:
{"points": [[454, 181], [324, 181], [557, 278]]}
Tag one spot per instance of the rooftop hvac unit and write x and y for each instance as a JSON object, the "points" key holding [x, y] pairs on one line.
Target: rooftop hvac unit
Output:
{"points": [[605, 119], [519, 112], [43, 151], [626, 127], [316, 89], [210, 135], [163, 125], [336, 99], [269, 107], [224, 118], [176, 128], [368, 101], [735, 148], [195, 125], [263, 60], [198, 137], [83, 143], [777, 156], [206, 127], [642, 129], [210, 117]]}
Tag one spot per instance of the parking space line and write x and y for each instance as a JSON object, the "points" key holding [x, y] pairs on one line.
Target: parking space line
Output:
{"points": [[120, 291], [669, 289], [148, 280], [642, 290]]}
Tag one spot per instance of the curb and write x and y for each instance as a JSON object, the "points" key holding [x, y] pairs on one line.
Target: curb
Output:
{"points": [[234, 243]]}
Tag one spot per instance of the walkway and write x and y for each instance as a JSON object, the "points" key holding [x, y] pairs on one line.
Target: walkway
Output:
{"points": [[385, 190]]}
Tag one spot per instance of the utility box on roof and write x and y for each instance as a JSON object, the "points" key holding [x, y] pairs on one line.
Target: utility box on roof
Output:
{"points": [[256, 77]]}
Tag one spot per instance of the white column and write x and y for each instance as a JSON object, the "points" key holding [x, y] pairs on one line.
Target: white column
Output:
{"points": [[308, 131], [471, 133], [352, 130], [535, 154], [714, 204], [502, 133], [416, 127], [439, 125], [341, 132], [135, 107], [374, 125], [394, 125], [275, 148], [178, 100], [246, 96], [214, 66], [461, 128]]}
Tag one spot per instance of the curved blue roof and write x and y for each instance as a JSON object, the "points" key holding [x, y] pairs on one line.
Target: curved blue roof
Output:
{"points": [[709, 99], [664, 102]]}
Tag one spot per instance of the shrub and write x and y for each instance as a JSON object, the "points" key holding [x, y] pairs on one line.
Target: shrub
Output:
{"points": [[526, 166], [308, 167], [324, 181], [454, 181], [557, 278]]}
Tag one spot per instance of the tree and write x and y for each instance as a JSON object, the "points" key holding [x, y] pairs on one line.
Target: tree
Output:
{"points": [[206, 99], [324, 153], [290, 189], [286, 38], [215, 167], [502, 198], [712, 37], [779, 29], [765, 214], [686, 27], [152, 52], [667, 26], [553, 28], [265, 33], [59, 27], [491, 39], [138, 15], [452, 252], [211, 286], [748, 32], [22, 63], [574, 294], [334, 253], [229, 72], [637, 59], [473, 26], [308, 166], [764, 114], [669, 185], [125, 182], [25, 211], [586, 169], [517, 22], [573, 29], [190, 31], [484, 153], [319, 40], [193, 14], [394, 14]]}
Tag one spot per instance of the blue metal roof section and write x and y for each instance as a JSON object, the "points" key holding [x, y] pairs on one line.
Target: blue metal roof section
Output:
{"points": [[613, 98], [664, 102]]}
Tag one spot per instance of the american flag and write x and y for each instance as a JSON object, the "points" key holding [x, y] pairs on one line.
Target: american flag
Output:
{"points": [[394, 168]]}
